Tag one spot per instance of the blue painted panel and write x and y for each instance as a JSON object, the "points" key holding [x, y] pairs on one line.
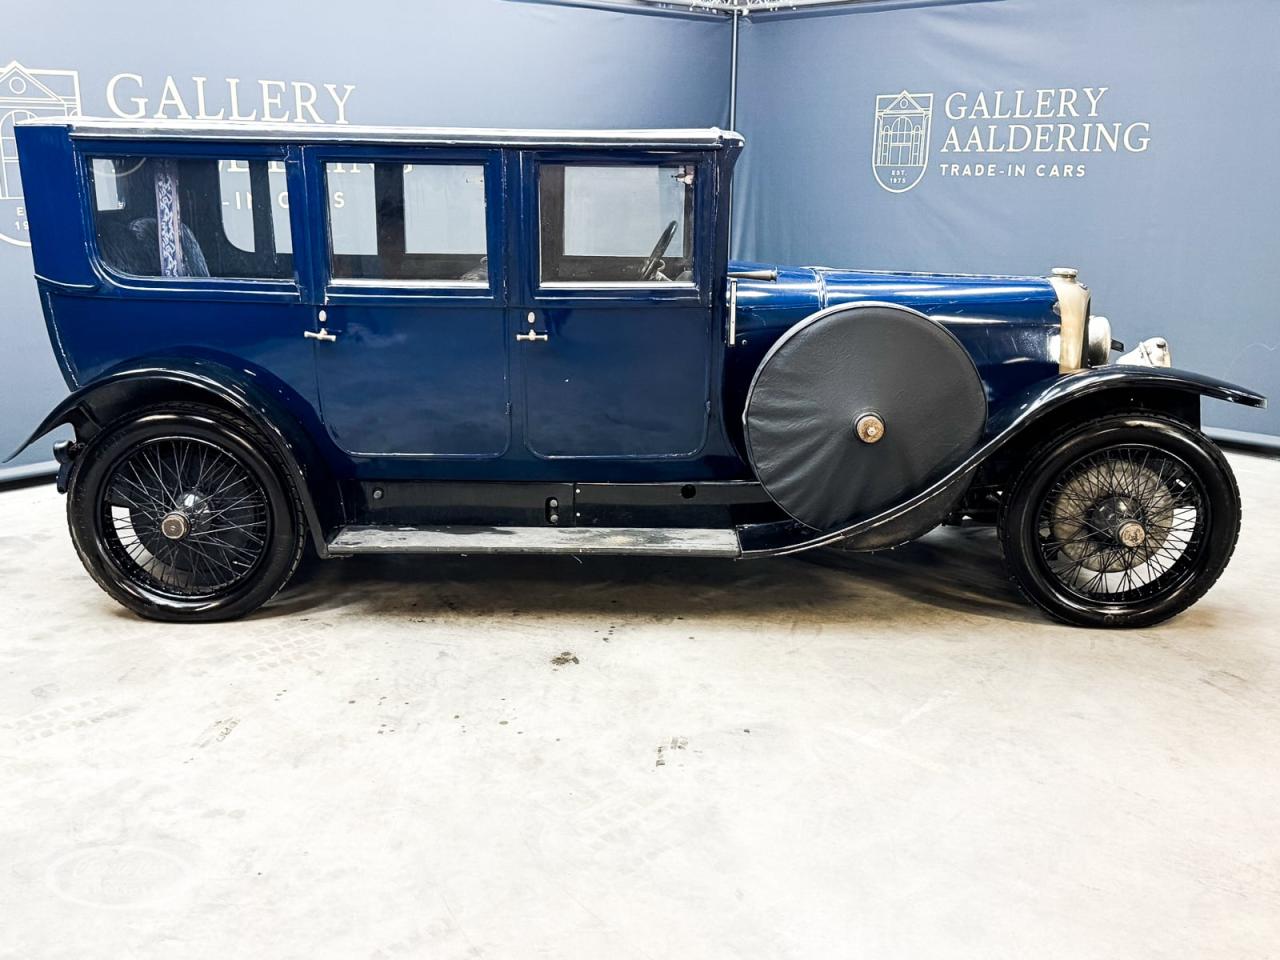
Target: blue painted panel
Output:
{"points": [[263, 338], [423, 380], [625, 381]]}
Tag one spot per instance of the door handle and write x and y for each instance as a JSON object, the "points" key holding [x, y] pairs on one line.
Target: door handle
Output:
{"points": [[731, 334], [322, 317], [532, 334]]}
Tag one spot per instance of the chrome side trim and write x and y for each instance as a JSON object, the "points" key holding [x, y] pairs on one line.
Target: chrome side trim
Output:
{"points": [[66, 285], [360, 283], [617, 285], [111, 127]]}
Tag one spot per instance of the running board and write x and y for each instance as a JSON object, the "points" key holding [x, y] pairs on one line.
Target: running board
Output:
{"points": [[655, 541]]}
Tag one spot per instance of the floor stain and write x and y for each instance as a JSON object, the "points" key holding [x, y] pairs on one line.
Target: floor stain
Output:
{"points": [[677, 743], [216, 732]]}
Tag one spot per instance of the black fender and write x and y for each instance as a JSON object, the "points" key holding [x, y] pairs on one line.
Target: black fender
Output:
{"points": [[1119, 386], [264, 402]]}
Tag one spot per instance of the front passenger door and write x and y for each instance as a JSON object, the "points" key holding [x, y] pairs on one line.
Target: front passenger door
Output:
{"points": [[613, 328]]}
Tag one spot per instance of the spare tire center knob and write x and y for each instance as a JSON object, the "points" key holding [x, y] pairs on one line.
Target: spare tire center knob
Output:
{"points": [[869, 428]]}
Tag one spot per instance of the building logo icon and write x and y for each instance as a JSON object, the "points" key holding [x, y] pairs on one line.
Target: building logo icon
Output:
{"points": [[25, 94], [900, 149]]}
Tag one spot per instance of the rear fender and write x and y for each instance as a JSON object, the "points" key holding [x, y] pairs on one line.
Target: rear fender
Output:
{"points": [[1050, 406], [266, 403]]}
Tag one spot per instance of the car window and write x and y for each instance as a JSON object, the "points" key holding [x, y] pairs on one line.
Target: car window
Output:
{"points": [[407, 222], [206, 217], [616, 224], [236, 184]]}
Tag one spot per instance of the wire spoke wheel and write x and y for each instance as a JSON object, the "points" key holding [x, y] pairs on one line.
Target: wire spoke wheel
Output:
{"points": [[184, 517], [1123, 524], [1123, 521], [184, 512]]}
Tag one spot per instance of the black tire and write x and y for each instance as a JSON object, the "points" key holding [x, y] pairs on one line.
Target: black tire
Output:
{"points": [[235, 528], [1123, 522]]}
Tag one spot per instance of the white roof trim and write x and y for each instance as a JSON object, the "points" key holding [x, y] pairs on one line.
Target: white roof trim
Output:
{"points": [[96, 127]]}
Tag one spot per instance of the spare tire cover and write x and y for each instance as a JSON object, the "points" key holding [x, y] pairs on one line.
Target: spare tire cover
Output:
{"points": [[831, 369]]}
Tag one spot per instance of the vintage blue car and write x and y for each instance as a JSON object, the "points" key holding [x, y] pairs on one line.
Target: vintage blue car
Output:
{"points": [[396, 340]]}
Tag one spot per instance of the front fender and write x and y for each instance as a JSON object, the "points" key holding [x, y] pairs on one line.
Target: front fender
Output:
{"points": [[1039, 399], [922, 510], [266, 404]]}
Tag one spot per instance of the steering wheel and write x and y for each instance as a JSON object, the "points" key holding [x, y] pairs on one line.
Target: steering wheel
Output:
{"points": [[650, 266]]}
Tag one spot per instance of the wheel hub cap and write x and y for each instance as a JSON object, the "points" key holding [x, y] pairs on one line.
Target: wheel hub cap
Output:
{"points": [[1125, 523], [175, 526], [1133, 534]]}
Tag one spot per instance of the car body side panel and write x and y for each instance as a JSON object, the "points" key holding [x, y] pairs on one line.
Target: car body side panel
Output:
{"points": [[55, 205]]}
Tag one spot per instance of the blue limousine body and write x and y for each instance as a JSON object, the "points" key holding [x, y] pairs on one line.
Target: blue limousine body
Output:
{"points": [[465, 341]]}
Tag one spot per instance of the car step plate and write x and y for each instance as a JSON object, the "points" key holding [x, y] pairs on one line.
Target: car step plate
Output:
{"points": [[671, 541]]}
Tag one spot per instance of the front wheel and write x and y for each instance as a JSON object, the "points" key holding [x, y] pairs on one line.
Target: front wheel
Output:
{"points": [[1124, 522], [182, 513]]}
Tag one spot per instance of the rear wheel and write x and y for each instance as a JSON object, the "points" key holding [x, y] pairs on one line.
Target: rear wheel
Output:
{"points": [[1124, 522], [182, 513]]}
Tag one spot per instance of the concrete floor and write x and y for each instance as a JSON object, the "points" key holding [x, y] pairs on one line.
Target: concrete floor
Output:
{"points": [[871, 757]]}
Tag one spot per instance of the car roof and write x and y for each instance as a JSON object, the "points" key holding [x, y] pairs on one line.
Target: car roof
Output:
{"points": [[256, 130]]}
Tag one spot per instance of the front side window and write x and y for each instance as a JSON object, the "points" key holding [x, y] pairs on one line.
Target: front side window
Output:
{"points": [[616, 224], [416, 222], [171, 217]]}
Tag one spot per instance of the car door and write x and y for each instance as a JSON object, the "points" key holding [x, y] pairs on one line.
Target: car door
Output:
{"points": [[612, 329], [410, 332]]}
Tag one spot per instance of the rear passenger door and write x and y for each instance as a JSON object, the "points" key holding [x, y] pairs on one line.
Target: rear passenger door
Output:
{"points": [[410, 326]]}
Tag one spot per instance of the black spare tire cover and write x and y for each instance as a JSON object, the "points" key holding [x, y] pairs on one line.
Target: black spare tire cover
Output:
{"points": [[838, 365]]}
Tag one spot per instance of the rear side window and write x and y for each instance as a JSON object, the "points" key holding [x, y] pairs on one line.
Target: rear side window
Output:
{"points": [[616, 224], [170, 217], [422, 222]]}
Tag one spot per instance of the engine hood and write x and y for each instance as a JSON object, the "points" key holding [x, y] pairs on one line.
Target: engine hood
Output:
{"points": [[1007, 324], [940, 295]]}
